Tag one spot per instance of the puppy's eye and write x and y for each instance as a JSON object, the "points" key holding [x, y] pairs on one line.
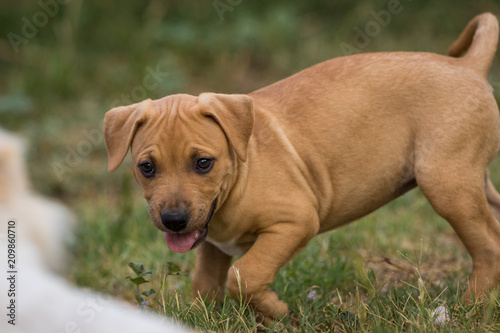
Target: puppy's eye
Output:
{"points": [[204, 164], [147, 169]]}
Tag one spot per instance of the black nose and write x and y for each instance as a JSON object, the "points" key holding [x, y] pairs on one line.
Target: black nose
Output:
{"points": [[176, 221]]}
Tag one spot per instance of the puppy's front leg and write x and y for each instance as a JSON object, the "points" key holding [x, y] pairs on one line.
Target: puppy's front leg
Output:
{"points": [[251, 275], [210, 272]]}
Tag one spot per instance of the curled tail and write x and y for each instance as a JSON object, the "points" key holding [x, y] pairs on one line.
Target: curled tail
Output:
{"points": [[481, 38]]}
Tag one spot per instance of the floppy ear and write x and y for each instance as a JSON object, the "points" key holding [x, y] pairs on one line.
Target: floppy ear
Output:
{"points": [[235, 114], [120, 125]]}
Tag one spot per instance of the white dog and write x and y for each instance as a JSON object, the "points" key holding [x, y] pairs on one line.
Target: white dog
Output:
{"points": [[34, 298]]}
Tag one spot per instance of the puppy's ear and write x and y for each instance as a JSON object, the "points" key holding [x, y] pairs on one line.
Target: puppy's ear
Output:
{"points": [[120, 125], [235, 114]]}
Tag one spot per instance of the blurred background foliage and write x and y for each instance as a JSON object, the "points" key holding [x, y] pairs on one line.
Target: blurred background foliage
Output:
{"points": [[91, 55]]}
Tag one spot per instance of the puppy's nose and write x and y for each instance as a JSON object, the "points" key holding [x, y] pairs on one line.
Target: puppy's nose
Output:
{"points": [[175, 221]]}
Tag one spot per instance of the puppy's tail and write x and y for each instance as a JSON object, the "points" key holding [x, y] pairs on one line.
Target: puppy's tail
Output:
{"points": [[481, 38]]}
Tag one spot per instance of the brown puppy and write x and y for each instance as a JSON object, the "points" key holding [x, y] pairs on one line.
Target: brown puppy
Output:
{"points": [[259, 175]]}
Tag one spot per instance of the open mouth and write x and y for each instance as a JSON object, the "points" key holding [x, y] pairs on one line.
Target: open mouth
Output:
{"points": [[180, 243]]}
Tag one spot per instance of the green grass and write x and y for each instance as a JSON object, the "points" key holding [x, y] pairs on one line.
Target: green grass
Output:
{"points": [[385, 273]]}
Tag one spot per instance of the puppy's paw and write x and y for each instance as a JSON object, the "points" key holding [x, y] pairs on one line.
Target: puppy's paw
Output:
{"points": [[268, 307]]}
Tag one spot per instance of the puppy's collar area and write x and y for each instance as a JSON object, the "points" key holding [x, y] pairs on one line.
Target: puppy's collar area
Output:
{"points": [[180, 243]]}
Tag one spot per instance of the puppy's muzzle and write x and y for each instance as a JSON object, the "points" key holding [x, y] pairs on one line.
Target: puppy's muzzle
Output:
{"points": [[175, 221]]}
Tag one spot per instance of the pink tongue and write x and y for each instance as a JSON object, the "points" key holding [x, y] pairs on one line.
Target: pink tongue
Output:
{"points": [[180, 243]]}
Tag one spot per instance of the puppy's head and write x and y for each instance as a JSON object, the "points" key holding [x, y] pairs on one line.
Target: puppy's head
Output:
{"points": [[185, 150]]}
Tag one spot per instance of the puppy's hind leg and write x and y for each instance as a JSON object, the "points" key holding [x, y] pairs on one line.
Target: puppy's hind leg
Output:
{"points": [[458, 195], [492, 196]]}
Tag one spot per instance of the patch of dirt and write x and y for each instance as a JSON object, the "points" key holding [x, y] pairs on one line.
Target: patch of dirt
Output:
{"points": [[393, 270]]}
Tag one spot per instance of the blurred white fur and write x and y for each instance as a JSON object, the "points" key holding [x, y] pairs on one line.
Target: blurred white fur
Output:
{"points": [[45, 302]]}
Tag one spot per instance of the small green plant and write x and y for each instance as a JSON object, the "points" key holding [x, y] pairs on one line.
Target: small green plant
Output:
{"points": [[138, 280]]}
